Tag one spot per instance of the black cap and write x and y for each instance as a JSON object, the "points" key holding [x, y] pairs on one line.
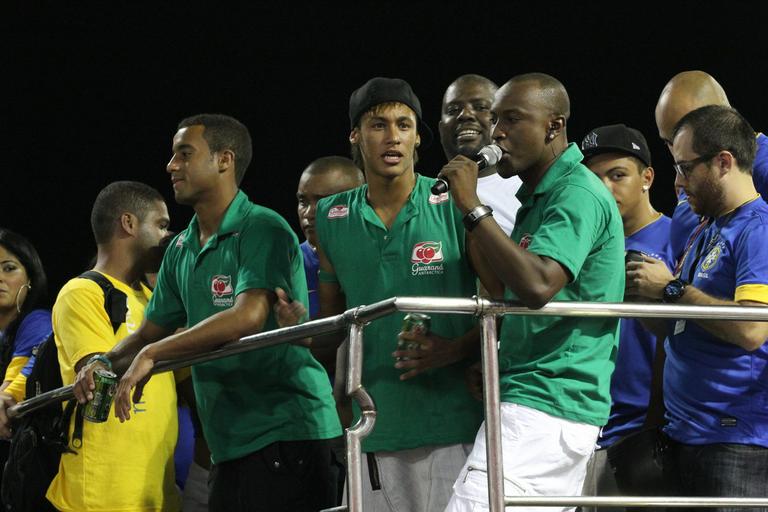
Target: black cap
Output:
{"points": [[616, 138], [384, 90]]}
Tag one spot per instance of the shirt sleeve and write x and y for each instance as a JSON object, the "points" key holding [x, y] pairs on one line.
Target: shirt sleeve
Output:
{"points": [[568, 229], [166, 308], [751, 254], [267, 260], [18, 386], [34, 329], [81, 324]]}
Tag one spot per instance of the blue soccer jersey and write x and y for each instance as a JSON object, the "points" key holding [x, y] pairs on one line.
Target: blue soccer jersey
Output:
{"points": [[714, 391], [311, 266], [631, 381], [684, 221]]}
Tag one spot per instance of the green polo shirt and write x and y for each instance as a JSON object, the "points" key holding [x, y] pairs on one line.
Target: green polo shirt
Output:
{"points": [[563, 365], [249, 400], [423, 253]]}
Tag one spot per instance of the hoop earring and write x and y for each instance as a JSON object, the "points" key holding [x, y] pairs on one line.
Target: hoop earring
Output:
{"points": [[18, 295]]}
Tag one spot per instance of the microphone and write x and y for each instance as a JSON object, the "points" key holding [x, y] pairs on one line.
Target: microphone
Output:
{"points": [[486, 157]]}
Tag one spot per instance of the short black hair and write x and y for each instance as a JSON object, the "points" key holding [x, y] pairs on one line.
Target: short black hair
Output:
{"points": [[551, 91], [116, 199], [719, 128], [23, 249], [224, 132], [327, 164]]}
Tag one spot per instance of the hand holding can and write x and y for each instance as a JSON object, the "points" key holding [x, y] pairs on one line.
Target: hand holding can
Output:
{"points": [[417, 323]]}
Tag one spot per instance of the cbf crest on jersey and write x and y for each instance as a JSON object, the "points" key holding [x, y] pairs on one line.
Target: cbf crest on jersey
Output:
{"points": [[427, 258], [221, 288]]}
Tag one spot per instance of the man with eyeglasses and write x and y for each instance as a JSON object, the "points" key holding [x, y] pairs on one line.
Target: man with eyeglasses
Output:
{"points": [[714, 387], [685, 92]]}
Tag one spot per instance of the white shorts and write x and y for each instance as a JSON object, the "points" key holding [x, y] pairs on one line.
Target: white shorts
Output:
{"points": [[543, 455]]}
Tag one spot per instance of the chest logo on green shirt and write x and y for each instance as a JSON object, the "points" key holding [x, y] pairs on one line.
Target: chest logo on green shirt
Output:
{"points": [[221, 288], [525, 241], [437, 199], [427, 258], [338, 211]]}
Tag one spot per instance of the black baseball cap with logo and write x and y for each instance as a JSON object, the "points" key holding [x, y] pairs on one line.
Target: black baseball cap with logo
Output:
{"points": [[385, 90], [616, 138]]}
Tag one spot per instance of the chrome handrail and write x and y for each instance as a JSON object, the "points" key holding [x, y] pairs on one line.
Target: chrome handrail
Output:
{"points": [[355, 319]]}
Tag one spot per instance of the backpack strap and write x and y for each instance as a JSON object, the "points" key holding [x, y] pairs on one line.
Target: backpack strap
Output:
{"points": [[115, 301], [62, 426]]}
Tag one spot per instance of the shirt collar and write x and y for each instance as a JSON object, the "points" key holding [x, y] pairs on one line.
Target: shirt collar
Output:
{"points": [[560, 168], [231, 223]]}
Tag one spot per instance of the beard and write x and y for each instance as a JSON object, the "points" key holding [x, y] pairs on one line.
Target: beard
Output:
{"points": [[708, 198]]}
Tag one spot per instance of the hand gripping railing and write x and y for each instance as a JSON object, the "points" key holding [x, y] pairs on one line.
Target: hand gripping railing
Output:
{"points": [[355, 319]]}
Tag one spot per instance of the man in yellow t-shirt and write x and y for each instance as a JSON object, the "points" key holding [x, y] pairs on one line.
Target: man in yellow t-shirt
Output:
{"points": [[118, 467]]}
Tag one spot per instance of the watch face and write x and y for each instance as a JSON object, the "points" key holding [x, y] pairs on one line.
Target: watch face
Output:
{"points": [[674, 290]]}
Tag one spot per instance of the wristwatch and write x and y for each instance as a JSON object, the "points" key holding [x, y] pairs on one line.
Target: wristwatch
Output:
{"points": [[674, 290], [475, 215]]}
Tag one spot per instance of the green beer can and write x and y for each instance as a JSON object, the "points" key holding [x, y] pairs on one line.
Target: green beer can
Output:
{"points": [[97, 410], [413, 322]]}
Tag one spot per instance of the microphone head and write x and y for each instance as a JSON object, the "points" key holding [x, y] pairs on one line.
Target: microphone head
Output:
{"points": [[491, 154]]}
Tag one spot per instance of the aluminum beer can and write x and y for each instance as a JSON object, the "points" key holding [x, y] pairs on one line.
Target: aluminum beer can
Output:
{"points": [[413, 322], [97, 410]]}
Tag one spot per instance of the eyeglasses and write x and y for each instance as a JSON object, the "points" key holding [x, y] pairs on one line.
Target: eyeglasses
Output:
{"points": [[685, 168]]}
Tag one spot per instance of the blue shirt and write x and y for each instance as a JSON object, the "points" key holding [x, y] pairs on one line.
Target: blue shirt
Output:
{"points": [[714, 391], [631, 381], [684, 221], [311, 267], [34, 329]]}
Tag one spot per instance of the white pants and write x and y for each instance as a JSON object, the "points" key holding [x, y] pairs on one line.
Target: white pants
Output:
{"points": [[543, 455], [416, 480], [195, 495]]}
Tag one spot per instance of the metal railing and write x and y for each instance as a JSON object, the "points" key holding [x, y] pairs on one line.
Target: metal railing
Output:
{"points": [[354, 321]]}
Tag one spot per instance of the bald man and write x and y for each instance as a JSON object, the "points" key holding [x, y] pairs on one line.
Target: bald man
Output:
{"points": [[567, 245], [685, 92], [465, 128]]}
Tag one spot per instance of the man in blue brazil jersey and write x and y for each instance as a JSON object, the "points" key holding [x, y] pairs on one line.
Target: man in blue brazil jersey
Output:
{"points": [[620, 157], [714, 388]]}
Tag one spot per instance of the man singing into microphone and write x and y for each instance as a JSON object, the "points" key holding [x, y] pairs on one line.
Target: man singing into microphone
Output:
{"points": [[567, 245], [393, 237]]}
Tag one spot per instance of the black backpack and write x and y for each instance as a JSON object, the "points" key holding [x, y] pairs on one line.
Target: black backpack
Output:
{"points": [[41, 436]]}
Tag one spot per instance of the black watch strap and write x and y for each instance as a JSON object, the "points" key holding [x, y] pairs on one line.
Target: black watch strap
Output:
{"points": [[475, 215]]}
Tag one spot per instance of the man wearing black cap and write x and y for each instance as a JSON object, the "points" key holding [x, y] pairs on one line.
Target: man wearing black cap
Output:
{"points": [[393, 237], [619, 156]]}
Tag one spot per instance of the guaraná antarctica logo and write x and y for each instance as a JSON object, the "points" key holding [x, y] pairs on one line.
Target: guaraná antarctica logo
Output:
{"points": [[338, 211], [427, 258], [221, 288]]}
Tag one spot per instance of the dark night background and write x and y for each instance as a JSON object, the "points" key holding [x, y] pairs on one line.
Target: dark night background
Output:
{"points": [[93, 91]]}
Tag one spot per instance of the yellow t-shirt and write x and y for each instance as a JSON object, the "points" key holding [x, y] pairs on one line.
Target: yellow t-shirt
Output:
{"points": [[120, 467]]}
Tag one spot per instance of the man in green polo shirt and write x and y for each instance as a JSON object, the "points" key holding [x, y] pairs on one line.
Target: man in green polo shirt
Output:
{"points": [[393, 237], [267, 414], [567, 245]]}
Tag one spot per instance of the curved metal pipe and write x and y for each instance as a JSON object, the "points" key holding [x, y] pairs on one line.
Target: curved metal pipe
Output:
{"points": [[364, 424]]}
